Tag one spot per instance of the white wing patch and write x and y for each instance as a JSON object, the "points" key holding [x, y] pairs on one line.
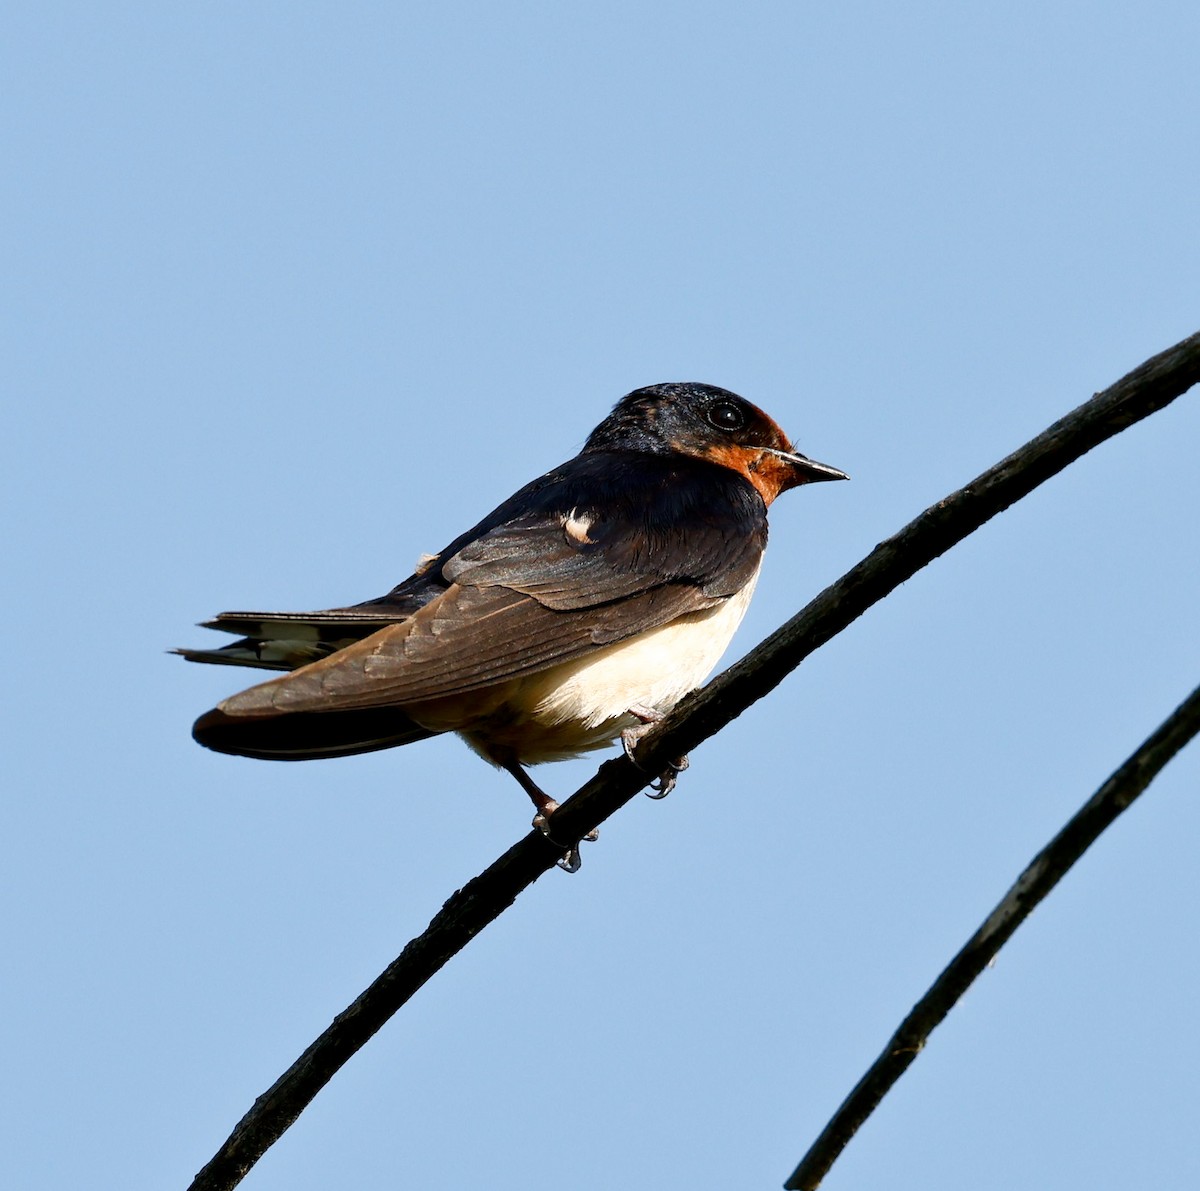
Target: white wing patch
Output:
{"points": [[577, 526]]}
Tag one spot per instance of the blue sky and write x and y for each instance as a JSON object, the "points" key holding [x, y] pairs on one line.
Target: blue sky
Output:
{"points": [[296, 292]]}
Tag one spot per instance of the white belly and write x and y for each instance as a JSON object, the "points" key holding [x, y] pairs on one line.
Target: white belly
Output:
{"points": [[585, 704]]}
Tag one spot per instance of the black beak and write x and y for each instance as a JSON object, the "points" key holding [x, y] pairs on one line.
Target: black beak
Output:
{"points": [[809, 471]]}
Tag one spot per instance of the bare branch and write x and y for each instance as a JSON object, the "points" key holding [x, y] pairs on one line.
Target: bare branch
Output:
{"points": [[1144, 391], [1045, 871]]}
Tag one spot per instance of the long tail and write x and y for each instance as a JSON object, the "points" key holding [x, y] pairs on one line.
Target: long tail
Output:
{"points": [[307, 735], [287, 641]]}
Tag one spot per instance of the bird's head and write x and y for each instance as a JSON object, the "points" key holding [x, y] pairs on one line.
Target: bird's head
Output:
{"points": [[709, 423]]}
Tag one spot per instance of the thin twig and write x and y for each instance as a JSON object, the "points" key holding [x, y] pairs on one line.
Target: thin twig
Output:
{"points": [[1144, 391], [1045, 871]]}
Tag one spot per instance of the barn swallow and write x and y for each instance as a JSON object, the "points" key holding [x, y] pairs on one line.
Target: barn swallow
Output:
{"points": [[581, 609]]}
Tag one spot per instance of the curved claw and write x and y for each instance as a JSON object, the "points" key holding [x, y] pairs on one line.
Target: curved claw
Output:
{"points": [[570, 861], [660, 787], [665, 782]]}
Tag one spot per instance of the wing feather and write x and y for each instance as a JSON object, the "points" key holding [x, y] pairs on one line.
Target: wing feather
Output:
{"points": [[596, 552], [468, 639]]}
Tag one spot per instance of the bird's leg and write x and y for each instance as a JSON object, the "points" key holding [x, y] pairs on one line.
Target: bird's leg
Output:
{"points": [[546, 806], [665, 782]]}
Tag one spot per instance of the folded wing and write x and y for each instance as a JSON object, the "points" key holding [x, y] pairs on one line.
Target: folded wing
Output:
{"points": [[546, 585]]}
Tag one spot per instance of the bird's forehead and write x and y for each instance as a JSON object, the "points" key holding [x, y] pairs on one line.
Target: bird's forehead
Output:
{"points": [[686, 417], [778, 436], [761, 430], [695, 399]]}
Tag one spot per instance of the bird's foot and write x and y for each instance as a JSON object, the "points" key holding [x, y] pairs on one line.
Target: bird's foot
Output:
{"points": [[546, 806], [571, 861], [665, 782]]}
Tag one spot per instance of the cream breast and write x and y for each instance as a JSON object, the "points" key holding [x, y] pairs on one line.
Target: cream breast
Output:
{"points": [[584, 704]]}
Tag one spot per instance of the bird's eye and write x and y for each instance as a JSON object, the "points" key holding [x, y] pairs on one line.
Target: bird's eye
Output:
{"points": [[724, 415]]}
